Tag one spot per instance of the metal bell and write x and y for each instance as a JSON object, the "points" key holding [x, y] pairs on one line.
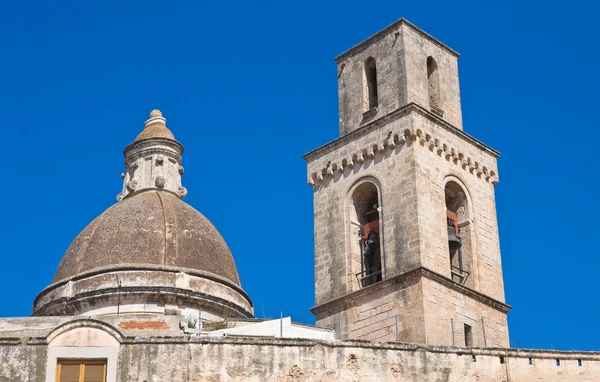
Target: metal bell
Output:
{"points": [[453, 240], [373, 237]]}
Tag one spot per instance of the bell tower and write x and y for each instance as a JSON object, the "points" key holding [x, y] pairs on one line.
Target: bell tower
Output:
{"points": [[406, 236]]}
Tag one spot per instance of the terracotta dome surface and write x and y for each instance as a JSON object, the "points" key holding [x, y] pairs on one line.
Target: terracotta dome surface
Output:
{"points": [[151, 228], [155, 131]]}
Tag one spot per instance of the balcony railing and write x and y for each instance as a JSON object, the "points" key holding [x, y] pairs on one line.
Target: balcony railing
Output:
{"points": [[369, 276], [459, 275]]}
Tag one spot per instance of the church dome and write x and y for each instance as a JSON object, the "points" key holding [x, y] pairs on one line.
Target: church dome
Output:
{"points": [[150, 252], [151, 228]]}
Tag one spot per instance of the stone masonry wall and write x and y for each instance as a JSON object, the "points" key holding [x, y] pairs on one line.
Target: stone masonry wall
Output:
{"points": [[21, 362], [411, 173], [387, 52], [447, 311], [373, 313], [253, 359], [433, 168], [400, 52], [416, 50], [393, 172]]}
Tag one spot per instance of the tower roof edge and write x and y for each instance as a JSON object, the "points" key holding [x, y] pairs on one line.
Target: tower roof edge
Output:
{"points": [[402, 21]]}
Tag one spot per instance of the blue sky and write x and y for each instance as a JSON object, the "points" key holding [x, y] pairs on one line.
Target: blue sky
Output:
{"points": [[248, 87]]}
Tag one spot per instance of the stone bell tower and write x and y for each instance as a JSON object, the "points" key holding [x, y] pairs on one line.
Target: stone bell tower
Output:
{"points": [[406, 236]]}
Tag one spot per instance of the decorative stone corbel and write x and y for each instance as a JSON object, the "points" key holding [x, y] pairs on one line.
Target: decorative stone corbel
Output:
{"points": [[160, 181], [347, 163], [182, 191], [335, 168], [392, 141], [131, 185], [371, 153], [430, 142], [358, 158], [422, 138], [466, 163]]}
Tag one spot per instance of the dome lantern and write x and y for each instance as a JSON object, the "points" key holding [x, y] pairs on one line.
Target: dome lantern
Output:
{"points": [[153, 160]]}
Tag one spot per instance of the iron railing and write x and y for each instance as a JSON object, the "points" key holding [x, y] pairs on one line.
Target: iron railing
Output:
{"points": [[459, 274], [367, 275]]}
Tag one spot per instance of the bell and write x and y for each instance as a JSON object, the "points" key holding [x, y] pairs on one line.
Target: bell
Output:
{"points": [[373, 237], [453, 240]]}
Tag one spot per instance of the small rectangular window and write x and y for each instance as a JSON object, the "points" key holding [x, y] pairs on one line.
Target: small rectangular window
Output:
{"points": [[81, 370], [468, 336]]}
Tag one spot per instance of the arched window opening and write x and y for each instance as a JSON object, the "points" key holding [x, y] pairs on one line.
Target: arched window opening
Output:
{"points": [[433, 80], [366, 207], [370, 98], [459, 233]]}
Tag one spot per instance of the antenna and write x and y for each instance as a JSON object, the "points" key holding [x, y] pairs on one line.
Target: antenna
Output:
{"points": [[118, 294]]}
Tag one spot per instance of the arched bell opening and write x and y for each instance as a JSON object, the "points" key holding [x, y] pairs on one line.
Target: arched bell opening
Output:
{"points": [[459, 229], [366, 234], [370, 96], [433, 84]]}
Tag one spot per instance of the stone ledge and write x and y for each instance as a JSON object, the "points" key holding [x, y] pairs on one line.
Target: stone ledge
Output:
{"points": [[418, 272], [390, 117], [144, 267], [395, 139]]}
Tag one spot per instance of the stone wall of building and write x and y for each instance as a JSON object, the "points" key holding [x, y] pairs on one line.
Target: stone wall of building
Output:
{"points": [[410, 156], [387, 311], [418, 45], [159, 359], [474, 167], [400, 52], [22, 362], [393, 172]]}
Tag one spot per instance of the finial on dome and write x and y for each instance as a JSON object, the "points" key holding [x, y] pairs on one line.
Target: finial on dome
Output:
{"points": [[155, 127], [156, 117]]}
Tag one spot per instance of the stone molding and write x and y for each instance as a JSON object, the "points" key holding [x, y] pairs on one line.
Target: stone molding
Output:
{"points": [[395, 139], [390, 117], [418, 272], [86, 322], [111, 287], [299, 342], [145, 267]]}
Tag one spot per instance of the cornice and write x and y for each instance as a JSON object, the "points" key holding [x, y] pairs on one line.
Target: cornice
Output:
{"points": [[144, 293], [142, 267], [418, 272], [391, 117], [399, 137], [150, 142]]}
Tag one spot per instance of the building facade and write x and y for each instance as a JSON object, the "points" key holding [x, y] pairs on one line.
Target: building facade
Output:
{"points": [[401, 171], [407, 261]]}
